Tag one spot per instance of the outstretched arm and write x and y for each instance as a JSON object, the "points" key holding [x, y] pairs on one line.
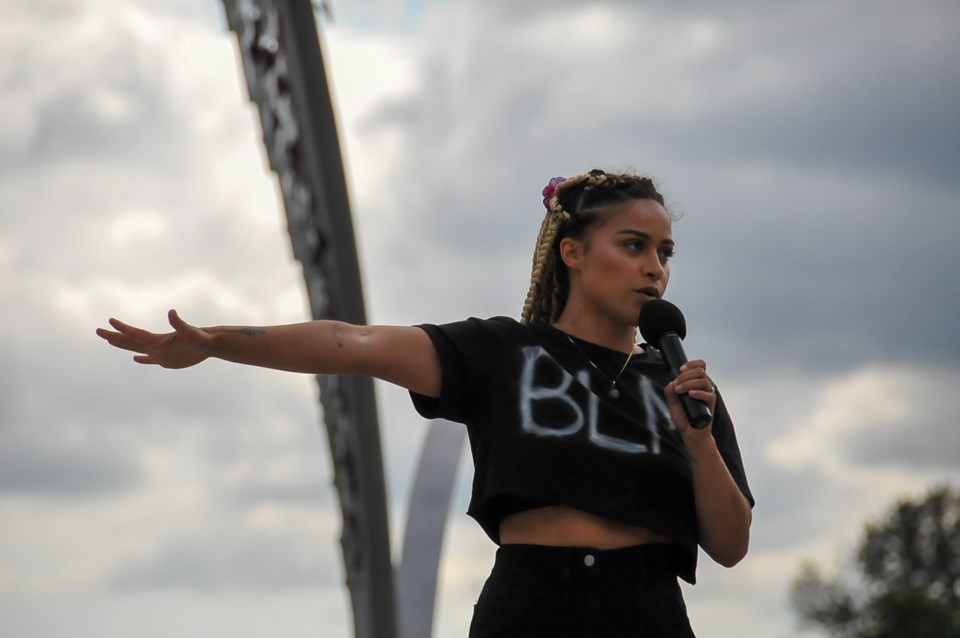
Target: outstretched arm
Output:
{"points": [[398, 354]]}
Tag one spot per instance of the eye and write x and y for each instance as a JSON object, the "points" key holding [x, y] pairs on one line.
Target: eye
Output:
{"points": [[636, 245], [666, 254]]}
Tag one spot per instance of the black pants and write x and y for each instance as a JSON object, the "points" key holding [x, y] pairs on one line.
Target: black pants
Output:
{"points": [[535, 590]]}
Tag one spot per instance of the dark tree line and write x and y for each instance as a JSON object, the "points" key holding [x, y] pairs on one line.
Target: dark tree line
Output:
{"points": [[904, 580]]}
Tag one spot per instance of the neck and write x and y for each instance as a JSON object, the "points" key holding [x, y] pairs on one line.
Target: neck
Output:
{"points": [[600, 331]]}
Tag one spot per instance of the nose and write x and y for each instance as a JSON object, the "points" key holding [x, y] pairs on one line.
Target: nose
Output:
{"points": [[652, 266]]}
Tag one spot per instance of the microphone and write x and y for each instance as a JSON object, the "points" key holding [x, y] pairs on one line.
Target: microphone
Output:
{"points": [[662, 324]]}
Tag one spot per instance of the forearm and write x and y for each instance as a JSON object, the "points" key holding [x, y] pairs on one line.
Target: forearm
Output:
{"points": [[723, 513], [316, 347], [398, 354]]}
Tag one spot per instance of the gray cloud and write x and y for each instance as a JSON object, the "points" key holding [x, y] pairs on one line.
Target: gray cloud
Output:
{"points": [[812, 148], [925, 438], [781, 495], [802, 161], [233, 559], [928, 444], [53, 468]]}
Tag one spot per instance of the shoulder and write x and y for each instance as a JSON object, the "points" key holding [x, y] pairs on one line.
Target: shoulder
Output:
{"points": [[473, 328]]}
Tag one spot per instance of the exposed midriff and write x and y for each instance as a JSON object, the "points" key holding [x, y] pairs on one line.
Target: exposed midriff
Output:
{"points": [[562, 526]]}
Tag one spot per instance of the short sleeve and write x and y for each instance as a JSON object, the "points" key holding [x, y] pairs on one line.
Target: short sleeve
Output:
{"points": [[466, 351], [726, 438]]}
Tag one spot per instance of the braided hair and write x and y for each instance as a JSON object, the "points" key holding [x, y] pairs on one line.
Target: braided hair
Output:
{"points": [[574, 206]]}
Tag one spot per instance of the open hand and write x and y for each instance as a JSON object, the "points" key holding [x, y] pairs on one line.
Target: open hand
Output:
{"points": [[184, 347]]}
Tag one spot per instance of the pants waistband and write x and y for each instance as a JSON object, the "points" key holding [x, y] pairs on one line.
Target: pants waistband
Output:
{"points": [[652, 557]]}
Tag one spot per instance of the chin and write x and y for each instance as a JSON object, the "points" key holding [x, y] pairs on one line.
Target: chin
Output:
{"points": [[631, 320]]}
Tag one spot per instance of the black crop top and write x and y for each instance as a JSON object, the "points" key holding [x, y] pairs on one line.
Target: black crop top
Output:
{"points": [[543, 431]]}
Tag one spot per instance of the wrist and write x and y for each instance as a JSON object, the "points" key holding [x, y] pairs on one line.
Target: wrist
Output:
{"points": [[214, 342], [702, 446]]}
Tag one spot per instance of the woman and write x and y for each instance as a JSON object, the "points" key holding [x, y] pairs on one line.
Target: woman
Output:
{"points": [[587, 473]]}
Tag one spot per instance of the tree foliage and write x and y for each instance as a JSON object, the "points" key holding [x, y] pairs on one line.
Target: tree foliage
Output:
{"points": [[904, 581]]}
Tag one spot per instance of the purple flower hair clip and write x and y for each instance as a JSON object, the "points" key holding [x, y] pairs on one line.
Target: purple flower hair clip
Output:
{"points": [[550, 189]]}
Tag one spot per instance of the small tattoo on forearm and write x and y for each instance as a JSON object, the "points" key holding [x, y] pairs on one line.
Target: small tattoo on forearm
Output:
{"points": [[336, 333], [250, 332]]}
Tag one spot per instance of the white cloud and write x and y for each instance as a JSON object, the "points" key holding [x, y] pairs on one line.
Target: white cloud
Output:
{"points": [[851, 405], [807, 144], [138, 226], [849, 414], [178, 613]]}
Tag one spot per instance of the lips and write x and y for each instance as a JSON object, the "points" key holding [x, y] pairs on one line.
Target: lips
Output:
{"points": [[650, 292]]}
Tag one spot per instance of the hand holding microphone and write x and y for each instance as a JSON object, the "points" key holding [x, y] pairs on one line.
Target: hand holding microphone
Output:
{"points": [[663, 326]]}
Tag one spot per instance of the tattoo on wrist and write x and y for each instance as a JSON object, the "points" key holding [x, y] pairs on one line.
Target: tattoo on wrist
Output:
{"points": [[336, 333], [250, 332]]}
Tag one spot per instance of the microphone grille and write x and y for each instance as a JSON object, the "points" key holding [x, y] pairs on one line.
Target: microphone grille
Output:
{"points": [[658, 317]]}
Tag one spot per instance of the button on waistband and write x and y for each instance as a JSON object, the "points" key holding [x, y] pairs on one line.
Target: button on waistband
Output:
{"points": [[589, 560]]}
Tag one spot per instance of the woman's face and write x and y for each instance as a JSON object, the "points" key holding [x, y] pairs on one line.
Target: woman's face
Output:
{"points": [[622, 263]]}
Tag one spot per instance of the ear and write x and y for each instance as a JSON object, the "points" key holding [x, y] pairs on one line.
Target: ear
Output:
{"points": [[571, 252]]}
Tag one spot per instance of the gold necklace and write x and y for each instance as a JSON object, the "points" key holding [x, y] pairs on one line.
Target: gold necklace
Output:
{"points": [[613, 392]]}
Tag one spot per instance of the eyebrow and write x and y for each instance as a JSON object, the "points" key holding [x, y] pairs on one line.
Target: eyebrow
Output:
{"points": [[643, 235]]}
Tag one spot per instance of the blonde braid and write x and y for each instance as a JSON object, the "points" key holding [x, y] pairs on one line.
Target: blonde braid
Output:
{"points": [[544, 269], [542, 304]]}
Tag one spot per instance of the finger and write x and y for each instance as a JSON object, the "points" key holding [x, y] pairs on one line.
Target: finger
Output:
{"points": [[706, 395], [129, 330], [181, 326], [103, 333], [693, 365], [677, 413], [704, 391], [120, 340], [701, 384], [119, 325], [670, 393], [700, 391], [176, 322], [123, 342], [132, 346], [693, 379], [145, 359]]}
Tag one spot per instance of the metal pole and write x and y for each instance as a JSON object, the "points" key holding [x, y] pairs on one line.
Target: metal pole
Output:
{"points": [[283, 64]]}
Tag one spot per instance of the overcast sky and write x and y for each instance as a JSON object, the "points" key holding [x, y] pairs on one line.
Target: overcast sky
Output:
{"points": [[812, 147]]}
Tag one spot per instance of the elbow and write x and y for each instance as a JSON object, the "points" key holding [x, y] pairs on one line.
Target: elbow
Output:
{"points": [[730, 559], [731, 549], [730, 544]]}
